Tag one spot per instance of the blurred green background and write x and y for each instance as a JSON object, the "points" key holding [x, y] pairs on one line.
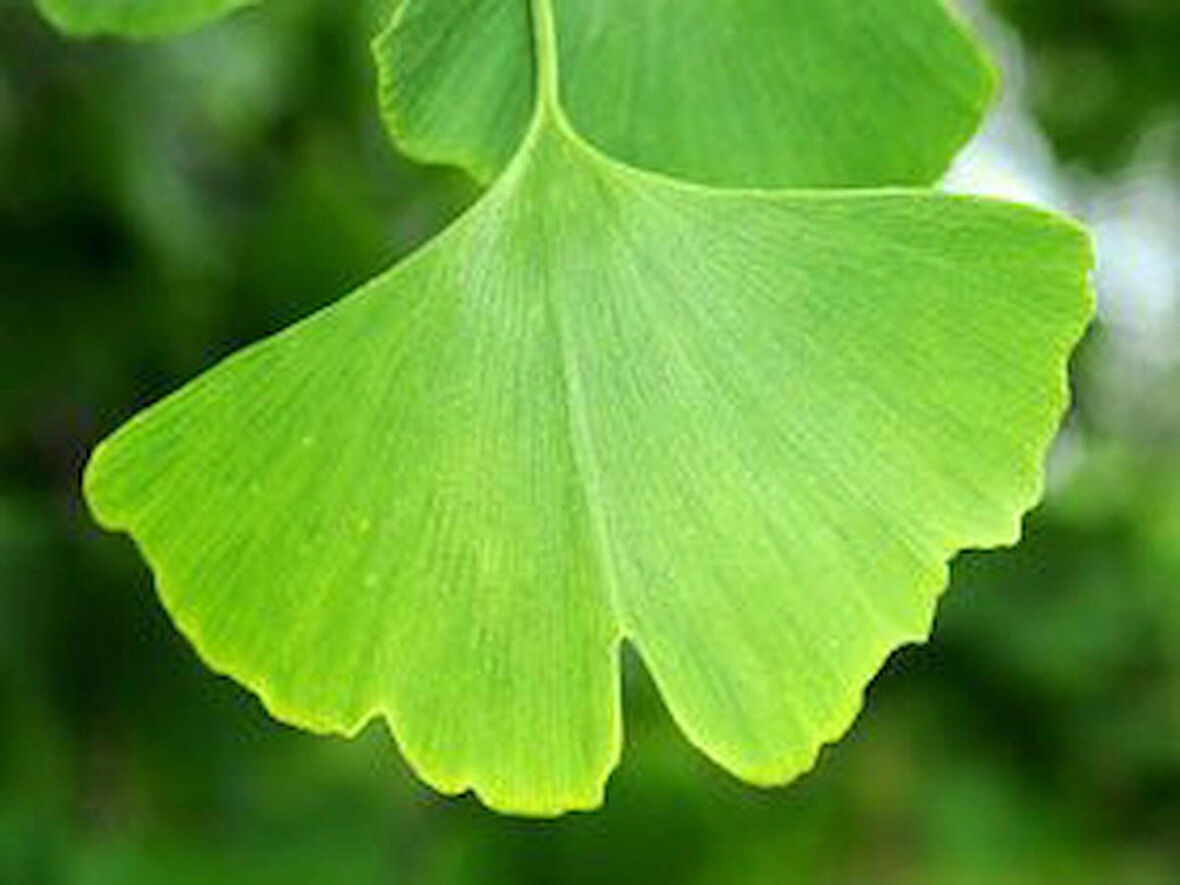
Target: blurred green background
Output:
{"points": [[163, 204]]}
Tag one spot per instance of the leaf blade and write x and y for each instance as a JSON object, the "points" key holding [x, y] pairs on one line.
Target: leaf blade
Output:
{"points": [[446, 499], [746, 93], [133, 18]]}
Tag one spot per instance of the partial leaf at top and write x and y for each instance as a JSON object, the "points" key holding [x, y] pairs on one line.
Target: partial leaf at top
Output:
{"points": [[729, 92], [135, 18], [457, 81], [742, 430]]}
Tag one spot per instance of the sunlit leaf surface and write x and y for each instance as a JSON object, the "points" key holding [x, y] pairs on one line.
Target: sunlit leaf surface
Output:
{"points": [[734, 92], [742, 430]]}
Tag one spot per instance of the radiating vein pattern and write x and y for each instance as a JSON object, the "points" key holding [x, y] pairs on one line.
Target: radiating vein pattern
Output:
{"points": [[800, 93], [742, 430]]}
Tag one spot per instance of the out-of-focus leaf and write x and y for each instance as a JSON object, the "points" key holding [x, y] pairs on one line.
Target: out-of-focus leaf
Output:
{"points": [[135, 18]]}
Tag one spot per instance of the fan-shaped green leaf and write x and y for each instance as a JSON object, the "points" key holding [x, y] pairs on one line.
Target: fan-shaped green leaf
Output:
{"points": [[135, 18], [743, 430], [734, 92]]}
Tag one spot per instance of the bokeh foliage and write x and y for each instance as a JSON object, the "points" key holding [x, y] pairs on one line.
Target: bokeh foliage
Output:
{"points": [[1103, 70], [161, 205]]}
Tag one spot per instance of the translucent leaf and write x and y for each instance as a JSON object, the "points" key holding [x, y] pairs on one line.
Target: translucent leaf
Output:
{"points": [[735, 92], [742, 430], [135, 18]]}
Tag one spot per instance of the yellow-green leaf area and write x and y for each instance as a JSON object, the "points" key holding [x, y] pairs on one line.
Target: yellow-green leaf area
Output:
{"points": [[135, 18], [730, 92], [741, 430]]}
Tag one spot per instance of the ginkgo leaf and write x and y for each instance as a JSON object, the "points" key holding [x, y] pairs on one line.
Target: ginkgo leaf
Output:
{"points": [[733, 92], [135, 18], [742, 430], [456, 81]]}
